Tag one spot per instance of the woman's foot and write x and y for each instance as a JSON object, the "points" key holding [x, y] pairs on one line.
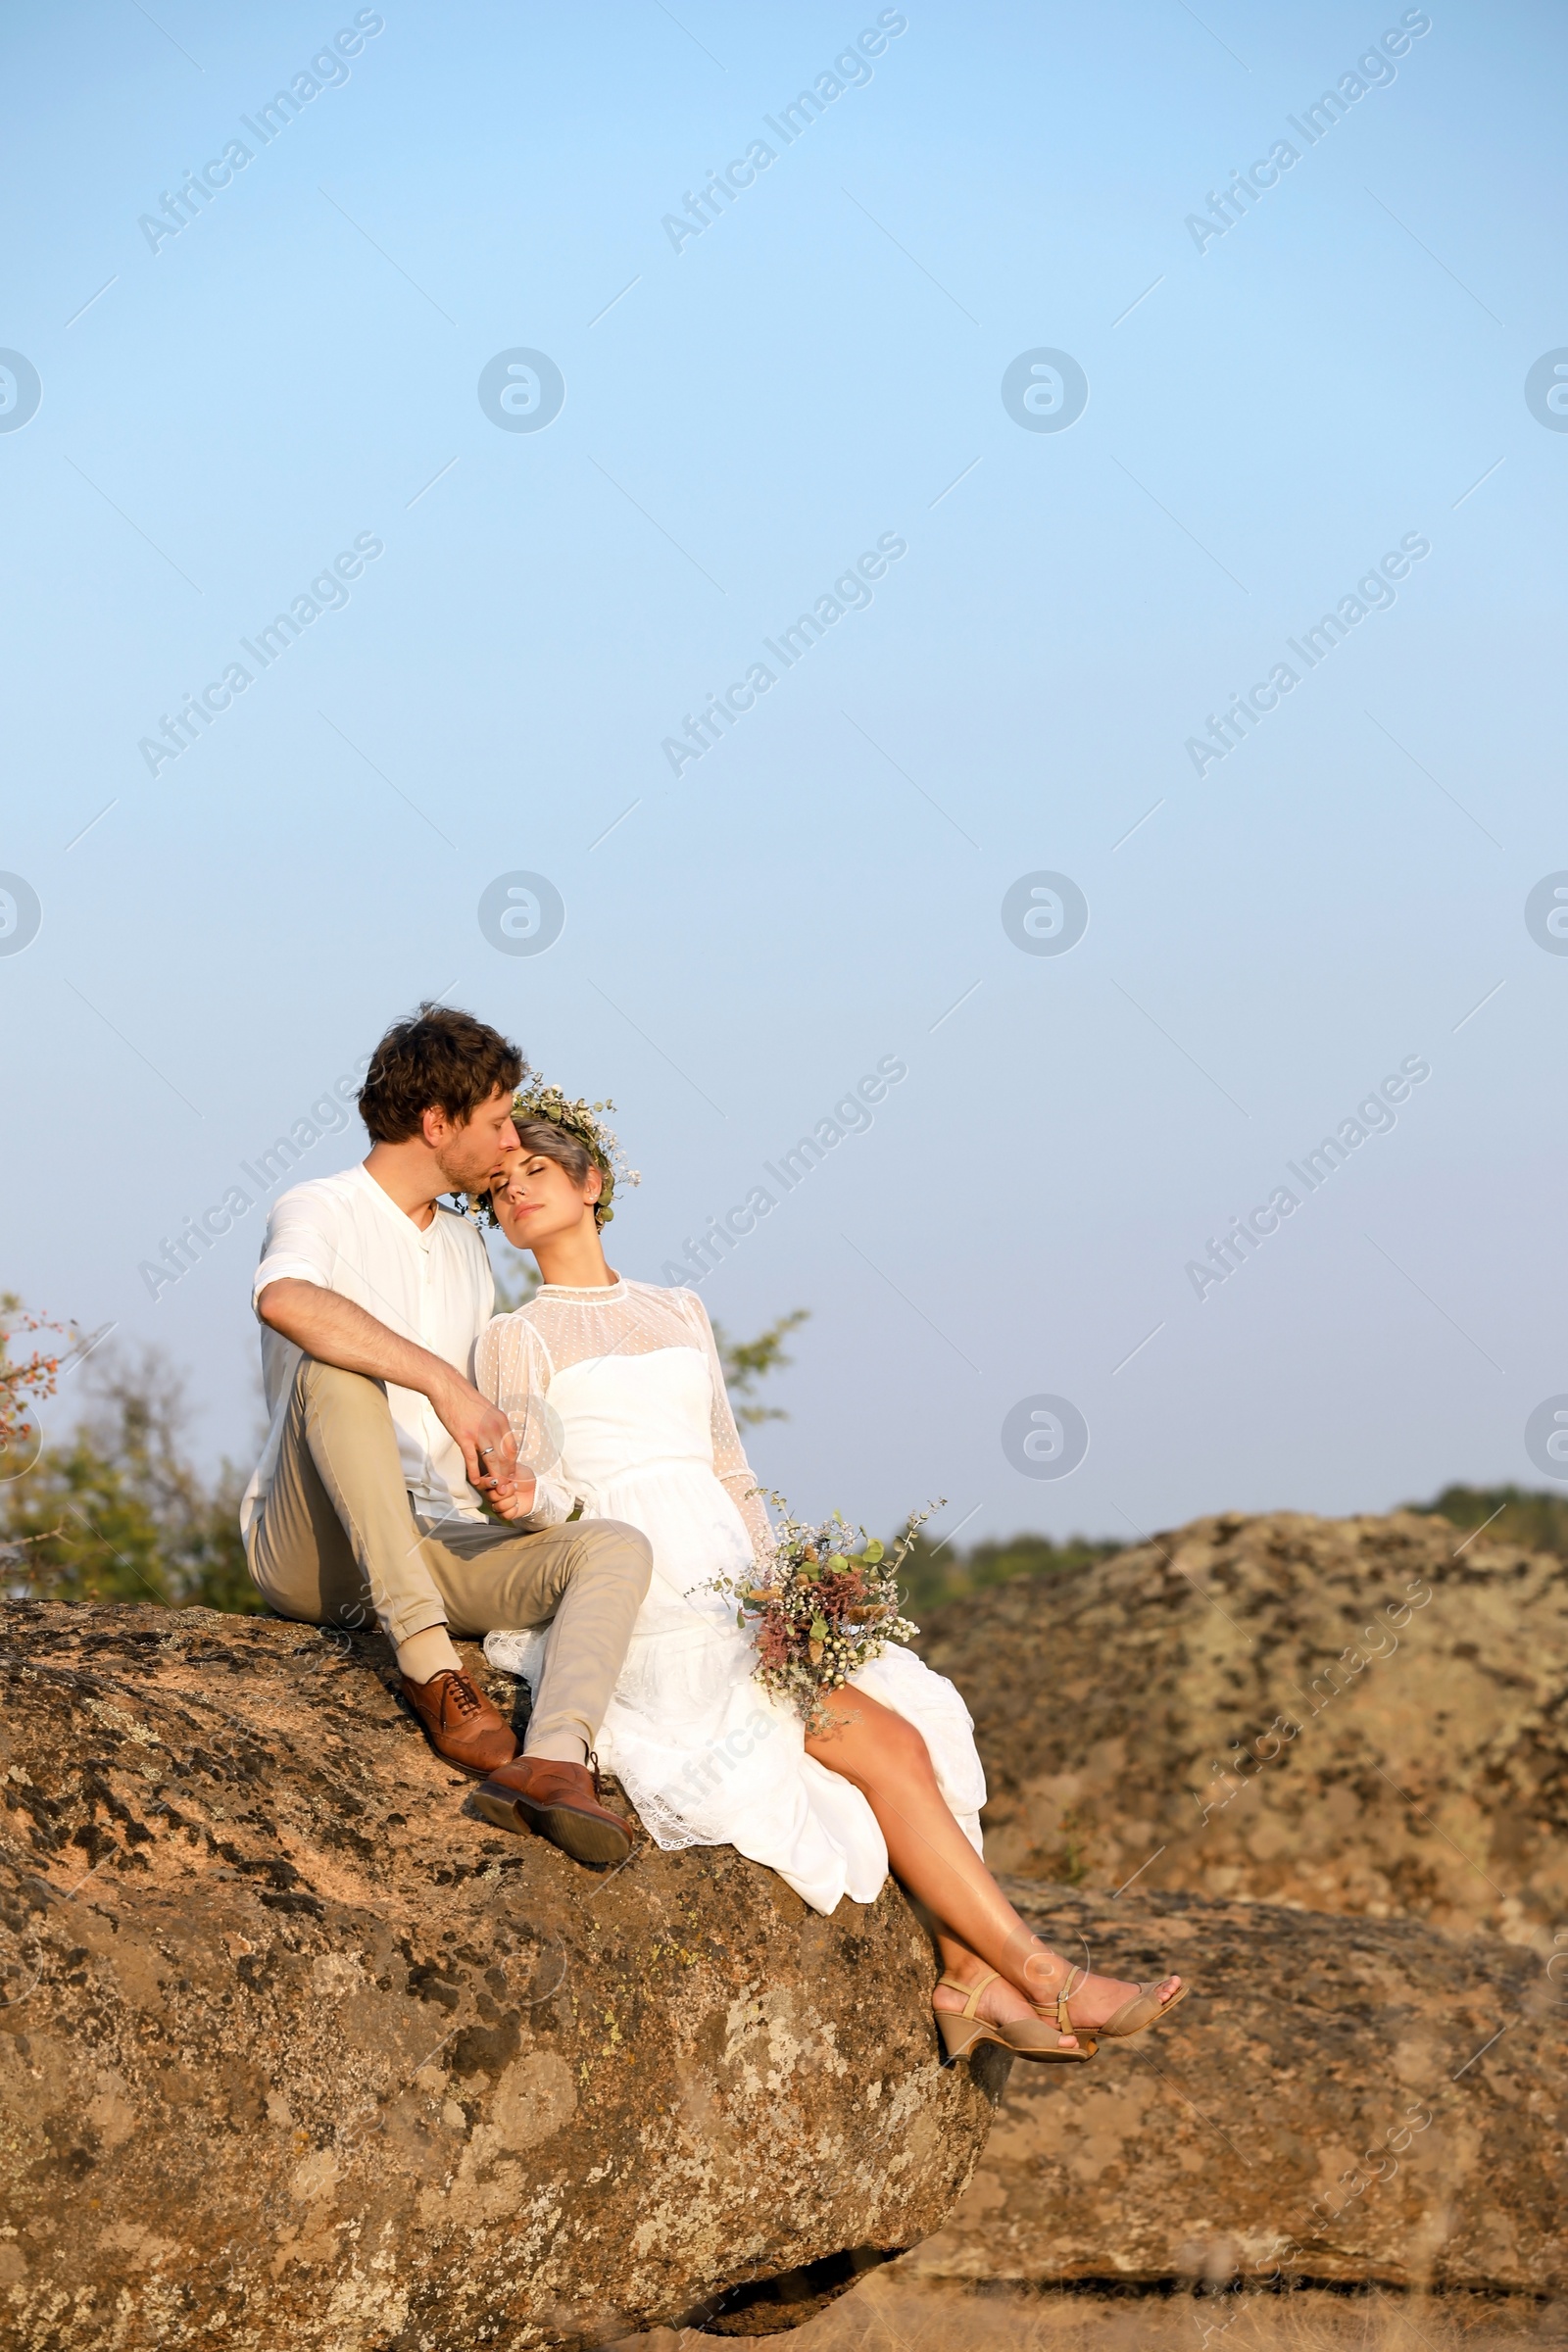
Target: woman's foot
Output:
{"points": [[1093, 1999], [999, 2002]]}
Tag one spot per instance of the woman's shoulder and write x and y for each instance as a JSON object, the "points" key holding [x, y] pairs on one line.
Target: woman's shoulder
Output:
{"points": [[652, 1292], [670, 1295], [520, 1322], [510, 1347]]}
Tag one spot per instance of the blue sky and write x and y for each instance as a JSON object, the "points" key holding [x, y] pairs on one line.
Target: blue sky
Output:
{"points": [[747, 411]]}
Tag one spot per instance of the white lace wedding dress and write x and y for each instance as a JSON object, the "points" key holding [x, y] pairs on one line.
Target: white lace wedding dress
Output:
{"points": [[618, 1400]]}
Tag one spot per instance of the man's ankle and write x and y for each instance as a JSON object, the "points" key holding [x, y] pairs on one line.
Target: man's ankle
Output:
{"points": [[556, 1747], [425, 1655]]}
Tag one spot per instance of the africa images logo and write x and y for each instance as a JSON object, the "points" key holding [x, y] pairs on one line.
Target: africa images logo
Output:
{"points": [[1546, 390], [21, 391], [521, 390]]}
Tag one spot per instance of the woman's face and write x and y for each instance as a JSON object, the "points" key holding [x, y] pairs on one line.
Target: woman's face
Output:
{"points": [[539, 1200]]}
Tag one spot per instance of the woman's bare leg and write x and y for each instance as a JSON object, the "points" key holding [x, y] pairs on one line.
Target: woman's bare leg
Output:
{"points": [[999, 2001], [886, 1759], [977, 1928]]}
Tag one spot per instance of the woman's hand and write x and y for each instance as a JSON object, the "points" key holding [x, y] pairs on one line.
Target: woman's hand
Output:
{"points": [[516, 1498]]}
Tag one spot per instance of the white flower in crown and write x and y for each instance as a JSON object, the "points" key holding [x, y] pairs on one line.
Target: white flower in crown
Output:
{"points": [[581, 1119], [537, 1101]]}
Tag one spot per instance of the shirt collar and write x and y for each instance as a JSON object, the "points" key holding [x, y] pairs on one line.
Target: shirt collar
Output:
{"points": [[389, 1208]]}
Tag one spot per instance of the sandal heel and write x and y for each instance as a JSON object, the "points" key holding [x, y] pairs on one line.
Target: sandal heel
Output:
{"points": [[960, 2035], [1029, 2037]]}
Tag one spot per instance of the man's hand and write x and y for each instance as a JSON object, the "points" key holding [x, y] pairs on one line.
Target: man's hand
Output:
{"points": [[483, 1432], [335, 1331]]}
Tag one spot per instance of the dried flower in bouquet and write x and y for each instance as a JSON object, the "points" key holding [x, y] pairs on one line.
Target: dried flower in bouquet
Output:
{"points": [[829, 1605]]}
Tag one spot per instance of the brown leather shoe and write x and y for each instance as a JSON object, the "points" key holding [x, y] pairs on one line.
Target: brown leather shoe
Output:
{"points": [[561, 1801], [462, 1725]]}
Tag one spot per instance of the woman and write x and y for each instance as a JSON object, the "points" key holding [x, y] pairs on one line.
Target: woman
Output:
{"points": [[617, 1396]]}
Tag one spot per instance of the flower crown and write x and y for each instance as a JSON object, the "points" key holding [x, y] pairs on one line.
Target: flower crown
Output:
{"points": [[534, 1099]]}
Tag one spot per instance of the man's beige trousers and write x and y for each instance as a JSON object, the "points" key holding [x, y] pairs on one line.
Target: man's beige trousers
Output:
{"points": [[337, 1544]]}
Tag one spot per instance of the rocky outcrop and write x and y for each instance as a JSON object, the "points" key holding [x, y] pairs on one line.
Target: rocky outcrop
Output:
{"points": [[295, 2052], [1338, 2100], [1357, 1715]]}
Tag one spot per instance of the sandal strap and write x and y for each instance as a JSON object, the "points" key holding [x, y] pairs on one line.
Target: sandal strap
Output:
{"points": [[952, 1984]]}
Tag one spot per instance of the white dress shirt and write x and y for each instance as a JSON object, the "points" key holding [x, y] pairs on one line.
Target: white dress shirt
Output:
{"points": [[434, 1288]]}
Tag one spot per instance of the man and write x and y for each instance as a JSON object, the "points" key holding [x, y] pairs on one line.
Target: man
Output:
{"points": [[371, 1295]]}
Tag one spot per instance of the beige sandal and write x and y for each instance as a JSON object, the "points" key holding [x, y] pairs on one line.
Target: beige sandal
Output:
{"points": [[1142, 2010], [963, 2030]]}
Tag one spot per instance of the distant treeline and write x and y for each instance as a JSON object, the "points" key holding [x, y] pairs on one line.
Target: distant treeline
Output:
{"points": [[1528, 1516], [935, 1573], [1537, 1520], [116, 1511]]}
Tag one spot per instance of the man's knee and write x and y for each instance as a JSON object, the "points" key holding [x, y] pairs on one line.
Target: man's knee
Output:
{"points": [[318, 1381], [611, 1544]]}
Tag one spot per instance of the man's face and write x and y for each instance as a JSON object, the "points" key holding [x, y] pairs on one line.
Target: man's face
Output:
{"points": [[473, 1156]]}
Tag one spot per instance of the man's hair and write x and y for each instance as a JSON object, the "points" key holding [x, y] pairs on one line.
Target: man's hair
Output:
{"points": [[441, 1060]]}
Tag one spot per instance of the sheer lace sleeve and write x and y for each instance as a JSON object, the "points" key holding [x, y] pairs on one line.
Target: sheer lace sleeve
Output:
{"points": [[512, 1369], [730, 1466]]}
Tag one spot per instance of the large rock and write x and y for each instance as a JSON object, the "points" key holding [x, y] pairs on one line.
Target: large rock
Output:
{"points": [[294, 2053], [1363, 1715], [1339, 2100]]}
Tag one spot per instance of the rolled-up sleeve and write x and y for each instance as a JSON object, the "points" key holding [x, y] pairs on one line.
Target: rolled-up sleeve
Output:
{"points": [[300, 1243]]}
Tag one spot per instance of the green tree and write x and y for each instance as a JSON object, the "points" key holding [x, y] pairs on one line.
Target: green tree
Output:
{"points": [[26, 1379], [1528, 1516], [516, 1284], [747, 1362], [935, 1573], [116, 1511], [744, 1361]]}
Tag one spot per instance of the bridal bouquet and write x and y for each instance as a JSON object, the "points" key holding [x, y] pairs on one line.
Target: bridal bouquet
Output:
{"points": [[830, 1604]]}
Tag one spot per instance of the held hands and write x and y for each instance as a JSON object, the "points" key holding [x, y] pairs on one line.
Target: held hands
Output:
{"points": [[519, 1501], [489, 1449]]}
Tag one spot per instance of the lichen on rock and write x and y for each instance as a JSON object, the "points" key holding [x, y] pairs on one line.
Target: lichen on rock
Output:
{"points": [[294, 2050], [1364, 1715], [1347, 2100]]}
